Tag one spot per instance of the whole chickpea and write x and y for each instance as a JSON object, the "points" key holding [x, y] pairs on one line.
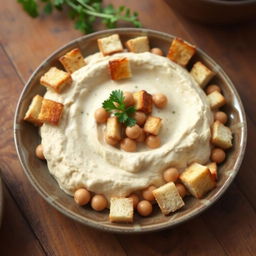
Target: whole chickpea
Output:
{"points": [[99, 203], [140, 117], [128, 145], [147, 193], [153, 141], [133, 132], [221, 116], [144, 208], [39, 152], [157, 51], [212, 88], [128, 99], [171, 174], [182, 190], [101, 115], [160, 100], [218, 155], [82, 196], [135, 199]]}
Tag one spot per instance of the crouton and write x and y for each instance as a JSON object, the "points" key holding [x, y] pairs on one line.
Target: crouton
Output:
{"points": [[181, 52], [34, 110], [198, 180], [201, 74], [55, 79], [216, 100], [113, 128], [221, 135], [121, 209], [168, 198], [143, 101], [119, 69], [51, 111], [138, 44], [109, 45], [73, 60], [153, 125], [213, 169]]}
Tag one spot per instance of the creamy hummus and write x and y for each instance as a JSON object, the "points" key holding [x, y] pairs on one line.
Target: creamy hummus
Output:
{"points": [[76, 153]]}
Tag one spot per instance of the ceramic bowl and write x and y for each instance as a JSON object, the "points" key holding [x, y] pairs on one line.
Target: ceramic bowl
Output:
{"points": [[27, 138], [216, 11]]}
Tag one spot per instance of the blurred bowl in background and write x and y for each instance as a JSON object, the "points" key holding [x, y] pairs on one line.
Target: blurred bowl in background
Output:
{"points": [[216, 11]]}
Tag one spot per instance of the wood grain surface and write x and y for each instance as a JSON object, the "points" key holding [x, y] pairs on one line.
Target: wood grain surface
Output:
{"points": [[30, 226]]}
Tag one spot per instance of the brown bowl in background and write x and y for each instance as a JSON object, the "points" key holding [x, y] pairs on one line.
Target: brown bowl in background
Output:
{"points": [[27, 138]]}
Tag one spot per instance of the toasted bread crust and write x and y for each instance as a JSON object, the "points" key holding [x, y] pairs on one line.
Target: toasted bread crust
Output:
{"points": [[216, 100], [138, 44], [34, 110], [110, 45], [51, 111], [181, 52], [55, 79], [113, 128], [143, 101], [119, 69], [221, 135], [72, 60], [153, 125]]}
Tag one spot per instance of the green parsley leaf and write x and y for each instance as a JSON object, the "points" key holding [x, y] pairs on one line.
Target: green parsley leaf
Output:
{"points": [[115, 104]]}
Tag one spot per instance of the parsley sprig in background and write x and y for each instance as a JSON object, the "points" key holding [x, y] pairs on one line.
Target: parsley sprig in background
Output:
{"points": [[84, 12], [115, 104]]}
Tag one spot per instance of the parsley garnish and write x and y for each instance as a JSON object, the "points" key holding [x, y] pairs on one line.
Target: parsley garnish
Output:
{"points": [[84, 12], [115, 104]]}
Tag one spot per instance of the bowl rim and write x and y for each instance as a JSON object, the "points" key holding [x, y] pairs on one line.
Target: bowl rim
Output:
{"points": [[230, 3], [134, 229]]}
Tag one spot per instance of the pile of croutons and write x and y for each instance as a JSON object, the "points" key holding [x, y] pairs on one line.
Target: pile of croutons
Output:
{"points": [[195, 180]]}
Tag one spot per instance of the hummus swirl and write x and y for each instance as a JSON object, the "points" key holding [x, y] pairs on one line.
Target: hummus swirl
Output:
{"points": [[76, 153]]}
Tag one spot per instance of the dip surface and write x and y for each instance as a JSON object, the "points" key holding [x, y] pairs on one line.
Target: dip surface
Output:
{"points": [[76, 153]]}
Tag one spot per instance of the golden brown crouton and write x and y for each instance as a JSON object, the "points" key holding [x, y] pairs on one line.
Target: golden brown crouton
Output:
{"points": [[168, 198], [55, 79], [153, 125], [198, 180], [201, 74], [51, 111], [73, 60], [34, 110], [121, 209], [113, 128], [109, 45], [181, 52], [216, 100], [221, 135], [213, 169], [138, 44], [143, 101], [119, 69]]}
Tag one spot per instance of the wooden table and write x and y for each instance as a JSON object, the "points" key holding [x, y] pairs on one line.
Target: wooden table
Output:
{"points": [[30, 226]]}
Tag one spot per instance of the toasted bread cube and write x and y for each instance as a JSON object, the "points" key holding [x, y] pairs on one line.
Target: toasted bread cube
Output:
{"points": [[198, 180], [138, 44], [216, 100], [51, 111], [55, 79], [34, 110], [181, 52], [121, 209], [221, 135], [143, 101], [168, 198], [113, 128], [153, 125], [119, 69], [109, 45], [213, 169], [73, 60], [201, 74]]}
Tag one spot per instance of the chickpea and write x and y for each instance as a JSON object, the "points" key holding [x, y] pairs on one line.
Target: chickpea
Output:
{"points": [[171, 174], [144, 208], [153, 141], [128, 145], [218, 155], [212, 88], [182, 190], [99, 203], [82, 196], [133, 132], [147, 193], [128, 99], [157, 51], [140, 117], [39, 152], [142, 137], [101, 115], [221, 116], [110, 141], [135, 199], [160, 100]]}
